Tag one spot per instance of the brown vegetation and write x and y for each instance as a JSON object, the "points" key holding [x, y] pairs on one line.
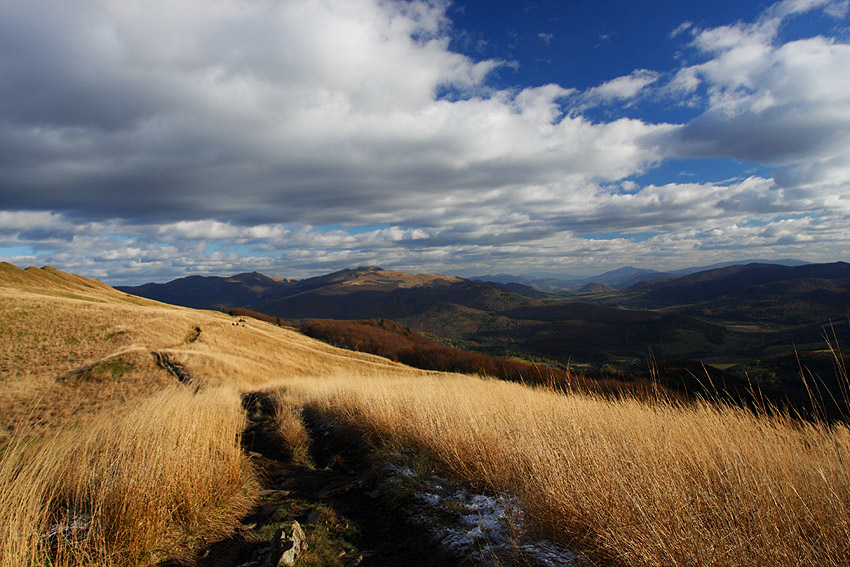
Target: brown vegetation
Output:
{"points": [[402, 344], [148, 471], [130, 487], [629, 482]]}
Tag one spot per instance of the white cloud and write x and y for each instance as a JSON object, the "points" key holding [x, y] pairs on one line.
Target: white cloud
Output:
{"points": [[680, 29], [627, 86], [162, 138], [780, 10], [292, 111], [618, 89], [782, 105]]}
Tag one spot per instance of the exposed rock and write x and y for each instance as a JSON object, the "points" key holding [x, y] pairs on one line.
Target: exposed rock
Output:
{"points": [[285, 550], [299, 544]]}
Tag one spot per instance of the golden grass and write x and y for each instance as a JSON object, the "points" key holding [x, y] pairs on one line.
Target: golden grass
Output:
{"points": [[55, 327], [290, 427], [98, 448], [629, 482], [633, 483], [132, 487], [254, 353]]}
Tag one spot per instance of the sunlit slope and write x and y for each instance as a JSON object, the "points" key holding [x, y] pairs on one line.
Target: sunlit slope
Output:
{"points": [[70, 345], [631, 482]]}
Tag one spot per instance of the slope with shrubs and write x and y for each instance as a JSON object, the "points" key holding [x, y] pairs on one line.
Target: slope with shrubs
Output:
{"points": [[397, 342]]}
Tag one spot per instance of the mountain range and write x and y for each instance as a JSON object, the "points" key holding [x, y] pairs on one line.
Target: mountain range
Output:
{"points": [[722, 315]]}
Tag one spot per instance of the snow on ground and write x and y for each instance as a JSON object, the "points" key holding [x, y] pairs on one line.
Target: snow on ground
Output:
{"points": [[472, 525], [485, 529]]}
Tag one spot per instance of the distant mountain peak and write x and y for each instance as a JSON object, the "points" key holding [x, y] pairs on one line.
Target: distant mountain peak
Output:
{"points": [[374, 276]]}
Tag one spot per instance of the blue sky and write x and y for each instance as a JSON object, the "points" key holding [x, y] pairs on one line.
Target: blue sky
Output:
{"points": [[143, 141]]}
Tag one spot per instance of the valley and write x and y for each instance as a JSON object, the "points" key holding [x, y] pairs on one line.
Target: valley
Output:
{"points": [[755, 324], [424, 283]]}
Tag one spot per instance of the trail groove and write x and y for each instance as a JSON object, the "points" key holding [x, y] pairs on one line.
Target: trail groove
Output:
{"points": [[336, 499]]}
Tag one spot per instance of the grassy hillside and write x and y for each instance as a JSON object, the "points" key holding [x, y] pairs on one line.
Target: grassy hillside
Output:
{"points": [[138, 467], [105, 458], [70, 346], [631, 483]]}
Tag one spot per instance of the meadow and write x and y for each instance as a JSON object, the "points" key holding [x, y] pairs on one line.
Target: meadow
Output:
{"points": [[629, 482], [108, 460]]}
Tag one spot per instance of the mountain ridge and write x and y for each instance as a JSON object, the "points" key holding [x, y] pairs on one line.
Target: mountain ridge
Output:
{"points": [[621, 277], [726, 313]]}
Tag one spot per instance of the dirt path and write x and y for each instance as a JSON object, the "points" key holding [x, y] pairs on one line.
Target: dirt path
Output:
{"points": [[335, 500]]}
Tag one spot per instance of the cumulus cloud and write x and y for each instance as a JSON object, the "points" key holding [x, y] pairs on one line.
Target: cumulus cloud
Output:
{"points": [[297, 112], [782, 105], [619, 89], [157, 139]]}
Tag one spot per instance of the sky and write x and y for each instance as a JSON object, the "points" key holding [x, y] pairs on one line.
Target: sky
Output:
{"points": [[149, 140]]}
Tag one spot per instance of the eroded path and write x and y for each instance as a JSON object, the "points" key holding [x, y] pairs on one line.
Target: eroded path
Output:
{"points": [[335, 501]]}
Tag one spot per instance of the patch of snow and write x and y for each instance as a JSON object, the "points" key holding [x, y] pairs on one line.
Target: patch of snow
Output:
{"points": [[550, 554], [475, 526], [67, 530], [430, 499], [400, 470]]}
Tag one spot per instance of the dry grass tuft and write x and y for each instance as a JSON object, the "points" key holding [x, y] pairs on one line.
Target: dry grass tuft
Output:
{"points": [[131, 487], [291, 429]]}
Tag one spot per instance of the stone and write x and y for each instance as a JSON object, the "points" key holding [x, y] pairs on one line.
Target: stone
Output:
{"points": [[285, 550], [298, 539]]}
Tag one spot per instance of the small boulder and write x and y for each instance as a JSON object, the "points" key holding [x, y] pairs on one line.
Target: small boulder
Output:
{"points": [[286, 549]]}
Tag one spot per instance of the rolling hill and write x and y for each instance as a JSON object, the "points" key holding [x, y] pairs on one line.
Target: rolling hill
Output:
{"points": [[74, 345], [128, 426], [487, 316], [785, 295], [211, 292]]}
